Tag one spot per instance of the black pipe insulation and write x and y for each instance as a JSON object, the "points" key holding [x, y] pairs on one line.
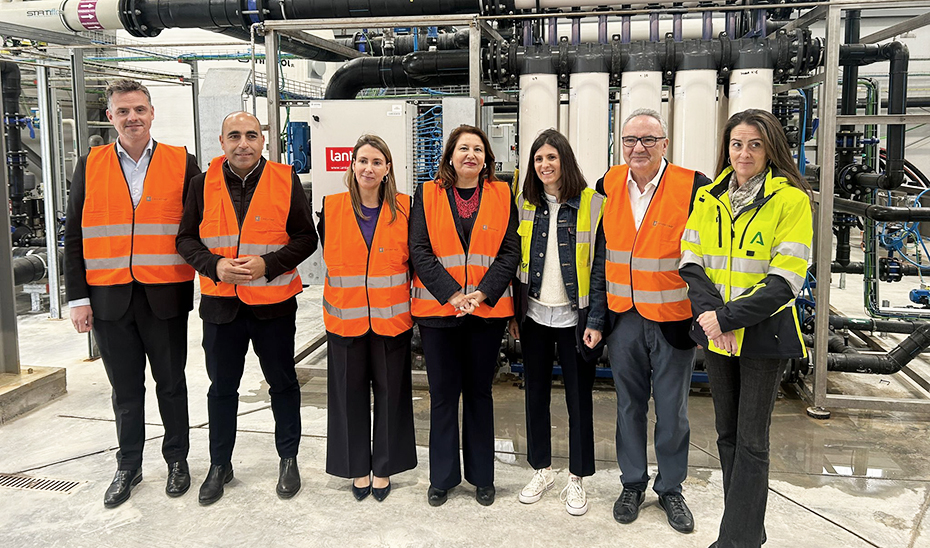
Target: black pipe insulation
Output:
{"points": [[870, 324], [883, 364], [420, 69], [881, 213], [32, 268]]}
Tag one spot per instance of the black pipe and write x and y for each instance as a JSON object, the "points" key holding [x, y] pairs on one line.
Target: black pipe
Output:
{"points": [[15, 162], [859, 268], [404, 43], [870, 324], [31, 268], [882, 213], [424, 68], [897, 104], [850, 87], [835, 343], [883, 364], [147, 18]]}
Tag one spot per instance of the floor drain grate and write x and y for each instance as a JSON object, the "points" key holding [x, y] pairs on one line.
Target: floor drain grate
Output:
{"points": [[15, 481]]}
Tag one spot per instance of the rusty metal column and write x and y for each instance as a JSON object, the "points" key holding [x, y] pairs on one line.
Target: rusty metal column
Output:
{"points": [[823, 252], [9, 343], [272, 70]]}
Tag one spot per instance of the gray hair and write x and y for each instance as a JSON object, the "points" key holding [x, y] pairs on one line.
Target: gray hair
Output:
{"points": [[125, 85], [646, 112]]}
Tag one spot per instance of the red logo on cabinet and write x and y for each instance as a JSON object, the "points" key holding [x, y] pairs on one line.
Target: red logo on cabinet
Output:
{"points": [[338, 158]]}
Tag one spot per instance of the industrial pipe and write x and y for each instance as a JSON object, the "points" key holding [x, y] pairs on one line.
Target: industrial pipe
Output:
{"points": [[883, 364], [31, 268], [589, 103], [880, 212], [871, 325], [432, 68]]}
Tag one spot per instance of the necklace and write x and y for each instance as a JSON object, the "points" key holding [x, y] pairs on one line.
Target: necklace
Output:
{"points": [[467, 208]]}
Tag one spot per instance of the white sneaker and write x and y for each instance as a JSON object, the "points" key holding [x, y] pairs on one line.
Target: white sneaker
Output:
{"points": [[542, 481], [576, 502]]}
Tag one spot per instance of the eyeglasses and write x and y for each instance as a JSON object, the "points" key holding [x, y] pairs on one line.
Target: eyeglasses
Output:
{"points": [[648, 141]]}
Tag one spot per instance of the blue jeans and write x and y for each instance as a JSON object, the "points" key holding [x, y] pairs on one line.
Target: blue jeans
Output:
{"points": [[744, 391]]}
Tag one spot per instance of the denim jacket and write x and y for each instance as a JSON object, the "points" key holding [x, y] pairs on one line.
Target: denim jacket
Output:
{"points": [[565, 232]]}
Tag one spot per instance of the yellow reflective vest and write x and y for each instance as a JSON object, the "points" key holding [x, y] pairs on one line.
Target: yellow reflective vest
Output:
{"points": [[590, 211], [739, 250]]}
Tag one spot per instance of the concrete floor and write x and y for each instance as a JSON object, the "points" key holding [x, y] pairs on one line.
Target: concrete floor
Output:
{"points": [[859, 479]]}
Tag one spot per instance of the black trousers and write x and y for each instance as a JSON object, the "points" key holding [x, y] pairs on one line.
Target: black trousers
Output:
{"points": [[539, 344], [356, 367], [124, 345], [744, 392], [225, 346], [460, 362]]}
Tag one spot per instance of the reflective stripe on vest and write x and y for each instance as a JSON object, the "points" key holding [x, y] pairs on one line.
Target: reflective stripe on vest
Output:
{"points": [[122, 243], [264, 230], [642, 265], [590, 211], [468, 269], [366, 288]]}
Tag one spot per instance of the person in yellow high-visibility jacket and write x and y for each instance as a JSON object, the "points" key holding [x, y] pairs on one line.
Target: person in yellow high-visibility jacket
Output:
{"points": [[744, 257]]}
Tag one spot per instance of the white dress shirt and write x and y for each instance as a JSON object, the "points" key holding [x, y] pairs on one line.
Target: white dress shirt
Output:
{"points": [[639, 201]]}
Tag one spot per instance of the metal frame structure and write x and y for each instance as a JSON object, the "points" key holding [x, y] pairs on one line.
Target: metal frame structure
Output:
{"points": [[9, 340], [272, 30], [826, 148]]}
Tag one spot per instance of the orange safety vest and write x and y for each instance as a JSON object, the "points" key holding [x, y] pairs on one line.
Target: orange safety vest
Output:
{"points": [[264, 230], [366, 288], [642, 265], [467, 269], [122, 243]]}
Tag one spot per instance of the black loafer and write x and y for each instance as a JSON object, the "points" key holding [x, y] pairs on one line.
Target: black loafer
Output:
{"points": [[381, 493], [361, 492], [120, 488], [212, 488], [288, 478], [485, 495], [679, 516], [626, 509], [437, 497], [179, 479]]}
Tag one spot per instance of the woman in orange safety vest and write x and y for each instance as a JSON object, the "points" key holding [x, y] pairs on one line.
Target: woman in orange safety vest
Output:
{"points": [[366, 310], [464, 249]]}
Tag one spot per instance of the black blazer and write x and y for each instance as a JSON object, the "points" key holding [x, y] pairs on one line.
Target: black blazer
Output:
{"points": [[109, 303]]}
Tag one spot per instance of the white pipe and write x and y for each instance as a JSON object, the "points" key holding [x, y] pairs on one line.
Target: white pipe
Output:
{"points": [[63, 15], [723, 114], [695, 120], [539, 110], [639, 29], [750, 88], [564, 114], [637, 90], [589, 121]]}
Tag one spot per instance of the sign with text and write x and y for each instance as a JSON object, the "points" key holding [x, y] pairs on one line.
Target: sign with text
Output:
{"points": [[338, 158]]}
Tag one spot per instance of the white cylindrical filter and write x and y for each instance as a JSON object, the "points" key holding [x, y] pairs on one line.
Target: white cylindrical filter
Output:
{"points": [[589, 123], [63, 16], [637, 90], [539, 110], [750, 88], [668, 114], [564, 114], [694, 132], [723, 114]]}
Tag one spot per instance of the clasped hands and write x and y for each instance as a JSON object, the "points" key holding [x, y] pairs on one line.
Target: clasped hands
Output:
{"points": [[240, 270], [724, 341], [466, 303]]}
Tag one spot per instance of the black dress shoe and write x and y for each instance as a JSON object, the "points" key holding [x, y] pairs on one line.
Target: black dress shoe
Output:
{"points": [[679, 516], [485, 495], [288, 478], [361, 492], [121, 486], [626, 509], [212, 488], [437, 497], [381, 493], [179, 479]]}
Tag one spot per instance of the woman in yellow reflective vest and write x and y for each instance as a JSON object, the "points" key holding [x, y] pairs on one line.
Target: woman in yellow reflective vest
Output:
{"points": [[366, 310], [559, 216], [744, 257]]}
